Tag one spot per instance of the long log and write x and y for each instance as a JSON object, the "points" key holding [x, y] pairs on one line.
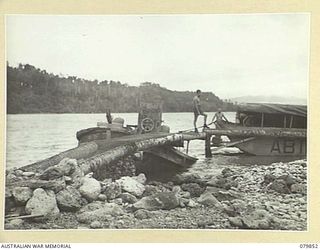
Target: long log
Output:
{"points": [[83, 151], [92, 164], [89, 149], [248, 132]]}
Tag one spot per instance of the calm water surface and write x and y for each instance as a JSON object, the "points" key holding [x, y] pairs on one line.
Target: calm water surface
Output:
{"points": [[34, 137]]}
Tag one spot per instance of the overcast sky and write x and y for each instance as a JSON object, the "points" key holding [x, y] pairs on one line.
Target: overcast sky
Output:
{"points": [[230, 55]]}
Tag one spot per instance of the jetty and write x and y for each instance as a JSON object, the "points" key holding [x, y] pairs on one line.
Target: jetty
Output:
{"points": [[109, 141], [101, 152]]}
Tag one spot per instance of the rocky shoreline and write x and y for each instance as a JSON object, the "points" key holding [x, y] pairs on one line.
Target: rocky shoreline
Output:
{"points": [[272, 197]]}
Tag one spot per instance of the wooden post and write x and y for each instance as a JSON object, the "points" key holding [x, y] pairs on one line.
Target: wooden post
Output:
{"points": [[208, 152], [291, 121], [108, 134], [262, 119]]}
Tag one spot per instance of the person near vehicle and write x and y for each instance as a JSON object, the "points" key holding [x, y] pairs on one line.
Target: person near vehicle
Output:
{"points": [[198, 111]]}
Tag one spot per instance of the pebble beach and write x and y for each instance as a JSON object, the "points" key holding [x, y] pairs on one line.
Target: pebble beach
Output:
{"points": [[268, 197]]}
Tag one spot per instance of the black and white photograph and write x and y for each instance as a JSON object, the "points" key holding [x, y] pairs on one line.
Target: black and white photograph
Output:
{"points": [[180, 121]]}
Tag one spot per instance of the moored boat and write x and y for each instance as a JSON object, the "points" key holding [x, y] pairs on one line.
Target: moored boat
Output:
{"points": [[104, 131], [268, 129]]}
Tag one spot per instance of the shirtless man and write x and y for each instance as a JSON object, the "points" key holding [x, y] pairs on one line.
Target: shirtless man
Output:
{"points": [[219, 117], [197, 111]]}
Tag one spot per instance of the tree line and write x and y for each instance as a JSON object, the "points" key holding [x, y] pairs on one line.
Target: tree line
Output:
{"points": [[32, 90]]}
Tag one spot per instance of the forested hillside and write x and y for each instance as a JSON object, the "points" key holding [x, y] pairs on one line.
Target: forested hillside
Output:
{"points": [[32, 90]]}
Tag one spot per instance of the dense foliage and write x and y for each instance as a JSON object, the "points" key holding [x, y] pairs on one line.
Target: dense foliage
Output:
{"points": [[31, 90]]}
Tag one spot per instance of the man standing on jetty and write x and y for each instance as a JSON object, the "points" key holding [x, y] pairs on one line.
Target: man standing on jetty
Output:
{"points": [[197, 111]]}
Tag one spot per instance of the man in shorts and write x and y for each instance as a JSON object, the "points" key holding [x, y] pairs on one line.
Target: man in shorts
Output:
{"points": [[197, 111]]}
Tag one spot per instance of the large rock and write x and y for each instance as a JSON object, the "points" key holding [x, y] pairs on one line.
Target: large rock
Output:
{"points": [[77, 176], [280, 186], [22, 195], [188, 178], [69, 199], [209, 200], [239, 206], [227, 195], [68, 166], [183, 202], [65, 167], [229, 210], [8, 193], [14, 224], [227, 172], [216, 182], [222, 194], [98, 211], [131, 185], [194, 189], [128, 198], [223, 182], [11, 178], [42, 202], [55, 185], [268, 178], [96, 224], [17, 223], [299, 188], [258, 219], [140, 178], [90, 188], [51, 173], [289, 180], [236, 207], [164, 200], [18, 172], [150, 190], [28, 174], [102, 197], [192, 203], [9, 204], [154, 187], [180, 193], [236, 221], [112, 190], [142, 214]]}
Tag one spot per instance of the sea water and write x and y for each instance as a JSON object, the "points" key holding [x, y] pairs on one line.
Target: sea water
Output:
{"points": [[34, 137]]}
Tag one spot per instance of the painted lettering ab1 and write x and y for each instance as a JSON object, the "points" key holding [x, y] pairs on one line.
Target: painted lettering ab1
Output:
{"points": [[287, 146]]}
